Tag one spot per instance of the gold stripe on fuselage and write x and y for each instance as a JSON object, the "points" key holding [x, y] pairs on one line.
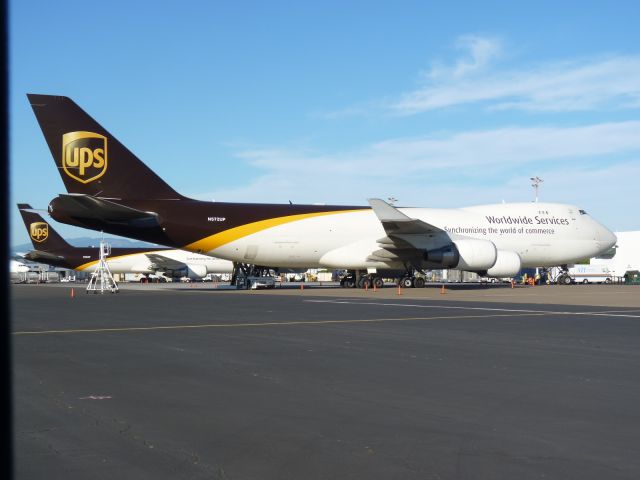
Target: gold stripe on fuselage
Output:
{"points": [[212, 242]]}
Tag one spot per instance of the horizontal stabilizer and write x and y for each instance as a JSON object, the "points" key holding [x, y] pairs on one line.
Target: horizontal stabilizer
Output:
{"points": [[91, 208], [38, 211], [40, 255]]}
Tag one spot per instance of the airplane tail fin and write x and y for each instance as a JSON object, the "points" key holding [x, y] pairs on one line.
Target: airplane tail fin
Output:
{"points": [[90, 160], [42, 235]]}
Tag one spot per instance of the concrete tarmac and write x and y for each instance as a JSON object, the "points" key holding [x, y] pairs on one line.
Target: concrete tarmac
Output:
{"points": [[593, 295], [204, 383]]}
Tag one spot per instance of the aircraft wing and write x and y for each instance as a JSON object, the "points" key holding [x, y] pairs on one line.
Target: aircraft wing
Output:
{"points": [[163, 263], [407, 238]]}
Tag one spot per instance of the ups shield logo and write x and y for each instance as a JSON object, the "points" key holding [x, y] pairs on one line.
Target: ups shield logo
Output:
{"points": [[39, 231], [84, 155]]}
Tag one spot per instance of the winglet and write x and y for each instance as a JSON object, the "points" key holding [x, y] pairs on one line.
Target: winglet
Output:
{"points": [[395, 222], [386, 212]]}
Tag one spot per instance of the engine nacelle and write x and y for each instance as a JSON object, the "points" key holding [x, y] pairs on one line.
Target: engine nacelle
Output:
{"points": [[192, 272], [476, 254], [507, 264], [196, 271], [465, 254]]}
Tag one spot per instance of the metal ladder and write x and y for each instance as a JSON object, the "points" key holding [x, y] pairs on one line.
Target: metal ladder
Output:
{"points": [[102, 279]]}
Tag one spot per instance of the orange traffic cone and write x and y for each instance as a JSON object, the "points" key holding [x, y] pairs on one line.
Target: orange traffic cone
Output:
{"points": [[442, 291], [374, 287], [512, 283], [302, 286], [399, 290], [72, 293]]}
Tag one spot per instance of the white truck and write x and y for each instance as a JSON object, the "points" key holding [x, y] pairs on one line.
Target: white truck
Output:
{"points": [[590, 274]]}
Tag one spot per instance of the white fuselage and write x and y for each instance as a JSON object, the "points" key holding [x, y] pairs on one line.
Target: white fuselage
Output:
{"points": [[18, 267], [542, 234], [141, 263]]}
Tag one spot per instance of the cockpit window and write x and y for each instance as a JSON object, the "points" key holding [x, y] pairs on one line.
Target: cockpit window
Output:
{"points": [[582, 212]]}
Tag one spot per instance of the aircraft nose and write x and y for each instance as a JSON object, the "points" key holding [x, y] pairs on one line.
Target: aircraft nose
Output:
{"points": [[607, 238], [612, 238]]}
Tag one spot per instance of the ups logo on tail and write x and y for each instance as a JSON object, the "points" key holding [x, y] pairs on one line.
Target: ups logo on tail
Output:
{"points": [[39, 231], [84, 155]]}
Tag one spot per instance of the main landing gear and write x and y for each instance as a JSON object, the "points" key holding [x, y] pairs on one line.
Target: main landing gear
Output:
{"points": [[411, 281], [359, 279], [362, 279]]}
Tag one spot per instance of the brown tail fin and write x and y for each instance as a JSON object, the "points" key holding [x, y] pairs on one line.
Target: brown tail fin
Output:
{"points": [[42, 235], [90, 160]]}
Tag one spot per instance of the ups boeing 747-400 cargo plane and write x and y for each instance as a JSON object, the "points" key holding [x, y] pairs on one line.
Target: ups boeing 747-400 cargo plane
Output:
{"points": [[50, 248], [110, 189]]}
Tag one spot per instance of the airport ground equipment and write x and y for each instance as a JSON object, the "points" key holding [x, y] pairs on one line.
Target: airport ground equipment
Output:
{"points": [[247, 276], [590, 274], [102, 279], [632, 277]]}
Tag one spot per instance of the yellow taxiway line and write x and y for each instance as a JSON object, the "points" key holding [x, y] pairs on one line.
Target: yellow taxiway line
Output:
{"points": [[270, 324]]}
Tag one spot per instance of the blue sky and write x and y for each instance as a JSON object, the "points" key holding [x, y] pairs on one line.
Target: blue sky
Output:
{"points": [[442, 104]]}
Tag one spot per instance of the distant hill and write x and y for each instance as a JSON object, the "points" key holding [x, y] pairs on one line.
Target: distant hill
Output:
{"points": [[90, 241]]}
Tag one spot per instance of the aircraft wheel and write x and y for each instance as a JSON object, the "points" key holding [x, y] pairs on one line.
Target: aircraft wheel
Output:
{"points": [[585, 281], [407, 282], [565, 280], [418, 282], [378, 282]]}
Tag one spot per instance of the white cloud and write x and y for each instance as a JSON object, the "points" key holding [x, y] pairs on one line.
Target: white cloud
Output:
{"points": [[595, 166], [434, 170], [506, 146], [605, 191], [609, 83], [478, 53]]}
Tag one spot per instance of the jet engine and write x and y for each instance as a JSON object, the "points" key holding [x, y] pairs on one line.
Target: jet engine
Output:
{"points": [[190, 271], [507, 264], [465, 254]]}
